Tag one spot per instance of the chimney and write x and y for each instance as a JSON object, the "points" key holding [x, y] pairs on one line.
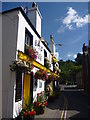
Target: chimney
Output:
{"points": [[52, 44], [35, 17]]}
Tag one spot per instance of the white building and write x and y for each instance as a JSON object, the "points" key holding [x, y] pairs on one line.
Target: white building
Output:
{"points": [[19, 29]]}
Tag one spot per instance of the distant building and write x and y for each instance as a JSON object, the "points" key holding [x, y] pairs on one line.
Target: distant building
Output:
{"points": [[79, 80], [86, 67]]}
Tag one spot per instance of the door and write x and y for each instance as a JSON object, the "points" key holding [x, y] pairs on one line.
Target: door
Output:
{"points": [[26, 91]]}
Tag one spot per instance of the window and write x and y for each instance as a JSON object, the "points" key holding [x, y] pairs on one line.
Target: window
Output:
{"points": [[45, 55], [40, 84], [18, 95], [34, 83], [28, 39]]}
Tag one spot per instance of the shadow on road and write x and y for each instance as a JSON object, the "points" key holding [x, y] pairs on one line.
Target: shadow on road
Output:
{"points": [[56, 103], [77, 104], [77, 107]]}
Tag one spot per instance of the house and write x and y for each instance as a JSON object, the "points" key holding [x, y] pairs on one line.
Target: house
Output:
{"points": [[20, 62]]}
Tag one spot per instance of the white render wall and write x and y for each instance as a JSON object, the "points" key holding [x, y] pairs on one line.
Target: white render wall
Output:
{"points": [[0, 65], [20, 46], [9, 37], [14, 25], [21, 39]]}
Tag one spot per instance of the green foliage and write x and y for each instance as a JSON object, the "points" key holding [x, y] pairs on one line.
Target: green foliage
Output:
{"points": [[69, 70], [79, 59], [28, 105]]}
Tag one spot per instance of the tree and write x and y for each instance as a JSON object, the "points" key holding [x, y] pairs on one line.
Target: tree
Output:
{"points": [[79, 59], [69, 70]]}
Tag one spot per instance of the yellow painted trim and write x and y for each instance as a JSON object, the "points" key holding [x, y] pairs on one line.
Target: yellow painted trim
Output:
{"points": [[25, 57]]}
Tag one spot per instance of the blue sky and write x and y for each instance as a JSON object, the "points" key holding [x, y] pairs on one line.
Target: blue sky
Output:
{"points": [[67, 22]]}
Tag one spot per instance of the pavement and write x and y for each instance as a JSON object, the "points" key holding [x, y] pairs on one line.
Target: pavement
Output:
{"points": [[72, 104], [53, 109]]}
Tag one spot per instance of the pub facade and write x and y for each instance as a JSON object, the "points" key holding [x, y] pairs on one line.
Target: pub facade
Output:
{"points": [[27, 59]]}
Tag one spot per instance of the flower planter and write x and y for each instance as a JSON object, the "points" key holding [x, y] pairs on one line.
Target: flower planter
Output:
{"points": [[39, 110], [39, 107]]}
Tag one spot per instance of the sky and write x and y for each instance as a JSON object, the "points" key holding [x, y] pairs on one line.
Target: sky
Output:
{"points": [[66, 21]]}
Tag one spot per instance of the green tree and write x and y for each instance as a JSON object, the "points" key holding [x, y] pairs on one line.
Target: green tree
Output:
{"points": [[69, 70]]}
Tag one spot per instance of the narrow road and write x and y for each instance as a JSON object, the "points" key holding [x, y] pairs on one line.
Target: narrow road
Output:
{"points": [[76, 104], [72, 104]]}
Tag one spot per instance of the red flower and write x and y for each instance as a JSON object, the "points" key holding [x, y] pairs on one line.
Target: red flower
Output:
{"points": [[32, 66], [34, 112], [37, 94], [29, 113], [25, 114], [45, 103], [38, 104], [35, 103]]}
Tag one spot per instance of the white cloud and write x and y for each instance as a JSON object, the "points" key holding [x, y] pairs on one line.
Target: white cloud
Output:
{"points": [[61, 29], [69, 55], [81, 52], [74, 56], [73, 20]]}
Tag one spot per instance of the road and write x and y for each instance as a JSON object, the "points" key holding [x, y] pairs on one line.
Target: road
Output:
{"points": [[72, 104], [75, 102]]}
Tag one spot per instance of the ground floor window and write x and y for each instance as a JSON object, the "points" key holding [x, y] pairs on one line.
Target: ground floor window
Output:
{"points": [[18, 95]]}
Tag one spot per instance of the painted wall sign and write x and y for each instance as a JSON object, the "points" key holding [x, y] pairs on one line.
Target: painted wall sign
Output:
{"points": [[37, 44], [22, 56]]}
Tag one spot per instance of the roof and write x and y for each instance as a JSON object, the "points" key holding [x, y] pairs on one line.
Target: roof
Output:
{"points": [[29, 22]]}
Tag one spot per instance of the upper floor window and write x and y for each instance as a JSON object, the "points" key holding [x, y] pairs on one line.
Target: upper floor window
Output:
{"points": [[28, 39]]}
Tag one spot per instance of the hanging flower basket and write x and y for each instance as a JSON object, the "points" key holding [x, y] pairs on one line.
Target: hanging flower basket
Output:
{"points": [[41, 74], [51, 78], [31, 52], [47, 63], [21, 65]]}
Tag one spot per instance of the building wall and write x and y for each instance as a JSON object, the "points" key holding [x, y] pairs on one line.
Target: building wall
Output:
{"points": [[32, 16], [38, 23], [13, 30], [22, 24], [21, 39], [79, 80], [9, 37], [35, 18], [85, 68], [0, 63]]}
